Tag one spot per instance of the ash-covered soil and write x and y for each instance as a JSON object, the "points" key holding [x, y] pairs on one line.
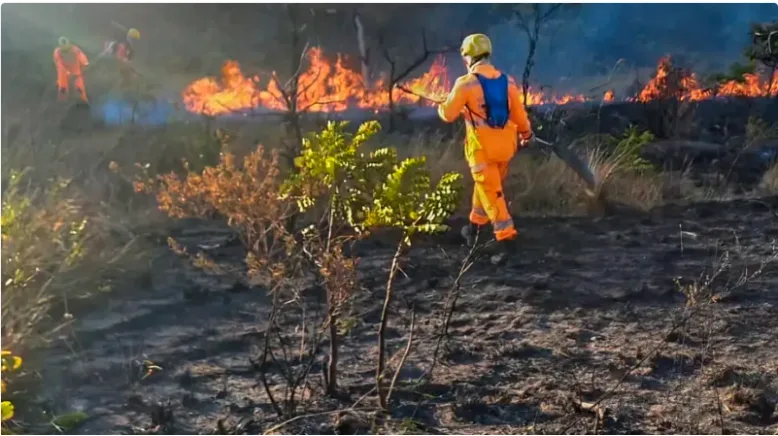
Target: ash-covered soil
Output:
{"points": [[564, 322]]}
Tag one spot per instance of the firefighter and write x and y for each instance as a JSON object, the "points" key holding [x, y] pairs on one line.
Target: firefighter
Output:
{"points": [[70, 61], [122, 49], [496, 126]]}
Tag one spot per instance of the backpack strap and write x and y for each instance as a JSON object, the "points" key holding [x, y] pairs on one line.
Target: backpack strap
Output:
{"points": [[470, 111]]}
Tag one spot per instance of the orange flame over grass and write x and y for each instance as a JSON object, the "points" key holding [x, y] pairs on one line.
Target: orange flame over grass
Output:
{"points": [[331, 87], [689, 89], [672, 82], [323, 87]]}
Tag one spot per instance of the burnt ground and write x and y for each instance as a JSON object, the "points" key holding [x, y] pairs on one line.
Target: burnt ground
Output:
{"points": [[563, 322]]}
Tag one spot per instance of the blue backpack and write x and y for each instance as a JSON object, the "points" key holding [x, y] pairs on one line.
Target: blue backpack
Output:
{"points": [[496, 100]]}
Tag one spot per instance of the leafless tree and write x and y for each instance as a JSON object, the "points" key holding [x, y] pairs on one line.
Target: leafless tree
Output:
{"points": [[764, 48], [364, 51], [532, 19], [397, 73]]}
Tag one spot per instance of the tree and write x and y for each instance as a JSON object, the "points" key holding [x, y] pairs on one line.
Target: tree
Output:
{"points": [[764, 49], [398, 74], [533, 19]]}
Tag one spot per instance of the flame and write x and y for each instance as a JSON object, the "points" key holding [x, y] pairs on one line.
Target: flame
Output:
{"points": [[672, 82], [684, 85], [751, 86], [322, 87], [327, 86]]}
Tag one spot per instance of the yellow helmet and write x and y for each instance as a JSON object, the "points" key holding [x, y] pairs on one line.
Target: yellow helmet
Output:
{"points": [[133, 34], [476, 45], [63, 42]]}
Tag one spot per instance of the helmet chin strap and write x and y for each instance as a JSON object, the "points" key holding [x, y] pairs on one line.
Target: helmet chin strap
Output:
{"points": [[475, 61]]}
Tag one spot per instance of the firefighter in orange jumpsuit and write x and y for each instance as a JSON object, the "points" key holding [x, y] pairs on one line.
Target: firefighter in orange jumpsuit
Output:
{"points": [[496, 126], [69, 60], [122, 49]]}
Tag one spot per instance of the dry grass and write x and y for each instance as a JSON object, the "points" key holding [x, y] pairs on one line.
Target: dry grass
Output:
{"points": [[545, 185], [59, 248], [770, 180], [67, 229]]}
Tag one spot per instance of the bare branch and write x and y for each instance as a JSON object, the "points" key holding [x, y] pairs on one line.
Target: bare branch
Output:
{"points": [[363, 51], [297, 73], [424, 97], [550, 12]]}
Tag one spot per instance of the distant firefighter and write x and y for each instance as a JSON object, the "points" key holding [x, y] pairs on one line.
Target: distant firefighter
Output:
{"points": [[122, 49], [70, 61]]}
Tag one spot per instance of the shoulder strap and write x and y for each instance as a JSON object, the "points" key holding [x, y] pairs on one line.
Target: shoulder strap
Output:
{"points": [[470, 111]]}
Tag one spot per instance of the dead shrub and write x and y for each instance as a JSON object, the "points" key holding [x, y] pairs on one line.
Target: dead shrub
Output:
{"points": [[246, 196]]}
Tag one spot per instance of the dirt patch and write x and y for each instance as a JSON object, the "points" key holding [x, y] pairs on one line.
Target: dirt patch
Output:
{"points": [[568, 320]]}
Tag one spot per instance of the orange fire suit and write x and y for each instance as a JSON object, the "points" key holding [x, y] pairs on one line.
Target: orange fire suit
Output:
{"points": [[123, 52], [70, 62], [488, 150]]}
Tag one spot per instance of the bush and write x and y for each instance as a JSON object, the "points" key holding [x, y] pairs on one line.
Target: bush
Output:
{"points": [[373, 190], [43, 237], [343, 193], [629, 148]]}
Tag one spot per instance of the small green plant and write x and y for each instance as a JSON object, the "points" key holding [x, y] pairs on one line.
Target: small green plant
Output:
{"points": [[628, 149]]}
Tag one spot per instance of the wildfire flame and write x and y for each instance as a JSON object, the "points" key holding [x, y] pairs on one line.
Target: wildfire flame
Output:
{"points": [[322, 87], [326, 86], [683, 85]]}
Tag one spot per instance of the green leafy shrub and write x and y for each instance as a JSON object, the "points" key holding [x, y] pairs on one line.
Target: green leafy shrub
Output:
{"points": [[629, 147], [369, 190], [43, 237], [366, 191]]}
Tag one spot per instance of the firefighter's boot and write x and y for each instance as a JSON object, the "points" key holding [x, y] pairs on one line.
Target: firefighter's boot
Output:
{"points": [[505, 250], [470, 233]]}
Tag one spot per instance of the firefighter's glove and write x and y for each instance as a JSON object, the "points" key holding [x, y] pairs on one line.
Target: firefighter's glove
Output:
{"points": [[525, 140]]}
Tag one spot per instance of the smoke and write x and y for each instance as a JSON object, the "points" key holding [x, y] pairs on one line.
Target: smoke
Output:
{"points": [[703, 36], [114, 111], [184, 41]]}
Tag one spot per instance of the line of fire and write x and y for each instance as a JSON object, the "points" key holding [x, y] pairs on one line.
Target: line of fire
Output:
{"points": [[328, 86]]}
